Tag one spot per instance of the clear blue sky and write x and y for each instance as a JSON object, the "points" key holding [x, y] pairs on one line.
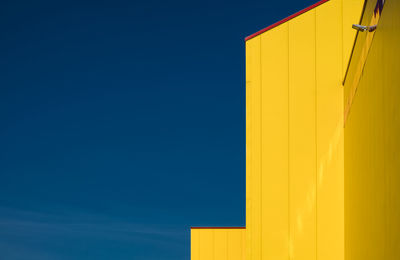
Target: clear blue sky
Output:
{"points": [[122, 124]]}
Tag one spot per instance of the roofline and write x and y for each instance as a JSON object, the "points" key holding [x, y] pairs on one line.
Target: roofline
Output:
{"points": [[286, 19], [217, 227]]}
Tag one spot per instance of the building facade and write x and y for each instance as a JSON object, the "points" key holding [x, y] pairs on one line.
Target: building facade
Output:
{"points": [[322, 139]]}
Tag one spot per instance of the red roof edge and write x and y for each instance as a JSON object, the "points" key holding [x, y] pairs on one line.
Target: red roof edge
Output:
{"points": [[286, 19], [217, 227]]}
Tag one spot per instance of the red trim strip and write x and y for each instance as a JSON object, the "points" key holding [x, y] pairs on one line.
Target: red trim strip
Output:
{"points": [[286, 19], [217, 227]]}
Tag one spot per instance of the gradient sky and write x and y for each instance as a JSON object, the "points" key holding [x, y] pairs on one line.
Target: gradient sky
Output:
{"points": [[122, 124]]}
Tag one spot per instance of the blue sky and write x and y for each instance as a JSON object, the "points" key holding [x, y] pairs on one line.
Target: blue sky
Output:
{"points": [[122, 124]]}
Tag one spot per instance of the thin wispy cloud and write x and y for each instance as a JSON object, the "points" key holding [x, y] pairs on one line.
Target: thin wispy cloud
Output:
{"points": [[21, 232]]}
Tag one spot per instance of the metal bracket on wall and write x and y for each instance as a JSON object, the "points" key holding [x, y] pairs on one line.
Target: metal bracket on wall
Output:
{"points": [[363, 28]]}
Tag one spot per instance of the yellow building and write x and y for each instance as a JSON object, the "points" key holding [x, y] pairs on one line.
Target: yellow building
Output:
{"points": [[322, 139]]}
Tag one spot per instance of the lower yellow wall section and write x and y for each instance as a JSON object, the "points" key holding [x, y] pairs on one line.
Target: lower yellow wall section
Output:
{"points": [[217, 244]]}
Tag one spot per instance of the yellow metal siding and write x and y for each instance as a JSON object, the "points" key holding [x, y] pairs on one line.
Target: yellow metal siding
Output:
{"points": [[207, 244], [372, 146], [294, 110], [217, 244], [302, 147], [253, 149], [294, 142], [329, 130], [221, 244], [194, 245], [274, 112], [236, 244]]}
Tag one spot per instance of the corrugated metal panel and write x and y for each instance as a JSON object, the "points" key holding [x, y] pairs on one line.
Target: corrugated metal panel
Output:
{"points": [[218, 243], [302, 146], [329, 131], [274, 111], [372, 143], [294, 141], [253, 148], [294, 111]]}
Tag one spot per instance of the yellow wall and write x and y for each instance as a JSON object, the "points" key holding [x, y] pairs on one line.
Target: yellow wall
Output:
{"points": [[316, 190], [217, 244], [294, 140], [372, 145]]}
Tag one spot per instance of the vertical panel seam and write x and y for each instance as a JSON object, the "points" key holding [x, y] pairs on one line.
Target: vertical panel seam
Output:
{"points": [[315, 134], [227, 244], [199, 243], [199, 248], [261, 149], [288, 136], [342, 107], [213, 244]]}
